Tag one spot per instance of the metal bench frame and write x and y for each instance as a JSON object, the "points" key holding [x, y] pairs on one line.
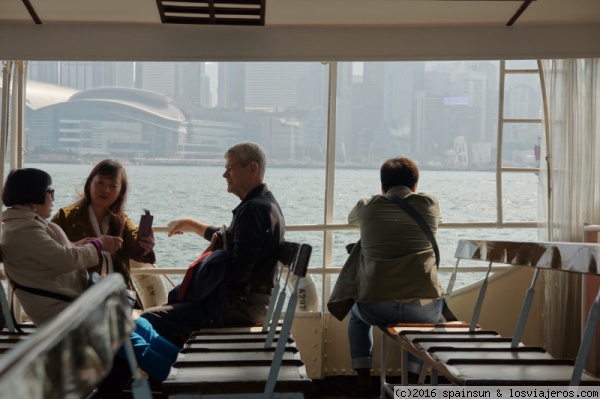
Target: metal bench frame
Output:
{"points": [[71, 354]]}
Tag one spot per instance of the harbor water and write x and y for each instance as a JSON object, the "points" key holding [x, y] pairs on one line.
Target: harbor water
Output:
{"points": [[171, 192]]}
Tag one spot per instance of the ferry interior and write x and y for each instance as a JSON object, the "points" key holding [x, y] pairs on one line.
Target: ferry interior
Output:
{"points": [[546, 191]]}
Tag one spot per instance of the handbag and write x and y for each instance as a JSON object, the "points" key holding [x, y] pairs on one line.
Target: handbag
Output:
{"points": [[412, 212]]}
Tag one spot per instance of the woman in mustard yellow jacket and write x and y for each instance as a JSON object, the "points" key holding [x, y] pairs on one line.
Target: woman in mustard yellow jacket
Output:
{"points": [[101, 211]]}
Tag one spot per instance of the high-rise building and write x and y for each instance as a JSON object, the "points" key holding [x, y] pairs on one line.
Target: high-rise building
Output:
{"points": [[383, 121], [184, 82], [344, 111], [82, 75], [454, 105], [43, 71], [232, 86], [281, 102]]}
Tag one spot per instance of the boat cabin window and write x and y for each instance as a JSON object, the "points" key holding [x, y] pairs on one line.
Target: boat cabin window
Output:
{"points": [[326, 128]]}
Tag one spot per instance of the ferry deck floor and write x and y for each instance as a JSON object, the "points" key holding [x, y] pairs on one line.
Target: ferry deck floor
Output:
{"points": [[337, 387]]}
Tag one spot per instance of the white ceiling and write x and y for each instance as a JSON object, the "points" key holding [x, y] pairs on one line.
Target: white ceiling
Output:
{"points": [[321, 12], [305, 30], [427, 12]]}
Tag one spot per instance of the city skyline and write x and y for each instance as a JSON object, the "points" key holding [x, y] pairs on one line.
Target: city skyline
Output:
{"points": [[417, 109]]}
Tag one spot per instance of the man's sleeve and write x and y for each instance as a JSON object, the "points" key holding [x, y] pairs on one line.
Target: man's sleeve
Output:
{"points": [[210, 230], [353, 215]]}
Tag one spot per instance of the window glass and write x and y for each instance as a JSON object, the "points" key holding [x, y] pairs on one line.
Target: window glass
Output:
{"points": [[444, 116], [170, 124], [520, 197]]}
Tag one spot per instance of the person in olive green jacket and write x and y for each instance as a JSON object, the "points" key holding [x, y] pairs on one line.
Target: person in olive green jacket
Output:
{"points": [[391, 273], [101, 211]]}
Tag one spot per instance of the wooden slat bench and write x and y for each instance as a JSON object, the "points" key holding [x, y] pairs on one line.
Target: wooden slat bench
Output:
{"points": [[242, 362], [209, 358], [482, 358], [9, 340], [231, 346]]}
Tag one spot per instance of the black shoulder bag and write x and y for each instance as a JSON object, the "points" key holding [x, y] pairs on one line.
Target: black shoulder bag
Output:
{"points": [[93, 278], [412, 212], [35, 291]]}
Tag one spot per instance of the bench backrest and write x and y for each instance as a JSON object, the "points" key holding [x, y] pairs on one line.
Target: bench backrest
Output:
{"points": [[296, 257], [289, 253], [564, 256], [570, 257], [69, 356]]}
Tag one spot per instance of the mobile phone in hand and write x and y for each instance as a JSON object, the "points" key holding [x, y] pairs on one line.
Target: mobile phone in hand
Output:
{"points": [[145, 226]]}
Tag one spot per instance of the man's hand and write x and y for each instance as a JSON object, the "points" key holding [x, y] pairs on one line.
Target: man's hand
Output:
{"points": [[180, 226]]}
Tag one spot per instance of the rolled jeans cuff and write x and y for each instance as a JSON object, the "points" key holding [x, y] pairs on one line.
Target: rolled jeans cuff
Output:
{"points": [[362, 363]]}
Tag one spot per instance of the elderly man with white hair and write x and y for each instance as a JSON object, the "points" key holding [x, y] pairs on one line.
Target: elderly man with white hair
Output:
{"points": [[252, 240]]}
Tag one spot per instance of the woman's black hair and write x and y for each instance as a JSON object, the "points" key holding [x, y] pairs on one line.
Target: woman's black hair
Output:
{"points": [[26, 186]]}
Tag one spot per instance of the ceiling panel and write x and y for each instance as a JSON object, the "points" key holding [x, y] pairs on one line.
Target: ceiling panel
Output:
{"points": [[96, 11], [320, 12], [389, 12], [14, 11], [562, 12], [304, 30]]}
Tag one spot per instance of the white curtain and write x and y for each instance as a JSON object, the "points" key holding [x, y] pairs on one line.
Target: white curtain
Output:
{"points": [[573, 92]]}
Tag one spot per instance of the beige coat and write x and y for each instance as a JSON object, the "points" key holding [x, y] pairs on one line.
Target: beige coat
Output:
{"points": [[34, 257]]}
